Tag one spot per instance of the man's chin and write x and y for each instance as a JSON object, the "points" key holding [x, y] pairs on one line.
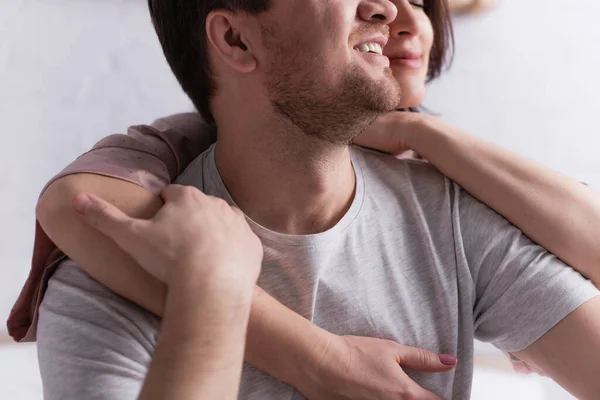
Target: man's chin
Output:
{"points": [[395, 91], [382, 95]]}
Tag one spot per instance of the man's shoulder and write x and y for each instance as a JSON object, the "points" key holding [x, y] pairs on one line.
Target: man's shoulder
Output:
{"points": [[193, 175], [91, 341], [386, 163], [400, 173], [72, 293]]}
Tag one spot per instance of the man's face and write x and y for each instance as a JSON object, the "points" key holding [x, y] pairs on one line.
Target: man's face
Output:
{"points": [[323, 65]]}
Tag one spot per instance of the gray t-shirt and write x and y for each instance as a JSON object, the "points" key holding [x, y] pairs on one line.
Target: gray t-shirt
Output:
{"points": [[415, 259]]}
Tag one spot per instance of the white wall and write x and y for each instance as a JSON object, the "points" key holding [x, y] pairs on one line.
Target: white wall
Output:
{"points": [[526, 77], [72, 71]]}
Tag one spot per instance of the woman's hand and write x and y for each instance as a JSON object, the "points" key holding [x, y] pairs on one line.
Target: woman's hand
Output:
{"points": [[363, 368], [392, 133]]}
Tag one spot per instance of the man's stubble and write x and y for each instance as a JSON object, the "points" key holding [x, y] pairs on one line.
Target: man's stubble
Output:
{"points": [[333, 113]]}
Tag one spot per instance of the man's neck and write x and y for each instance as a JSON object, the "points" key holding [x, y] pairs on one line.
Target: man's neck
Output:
{"points": [[284, 180]]}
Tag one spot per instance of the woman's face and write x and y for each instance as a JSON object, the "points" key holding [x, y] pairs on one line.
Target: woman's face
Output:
{"points": [[411, 39]]}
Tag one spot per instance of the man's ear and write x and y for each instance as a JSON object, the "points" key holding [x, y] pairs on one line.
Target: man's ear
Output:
{"points": [[224, 33]]}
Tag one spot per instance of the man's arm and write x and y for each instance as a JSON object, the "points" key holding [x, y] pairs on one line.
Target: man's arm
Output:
{"points": [[94, 345], [570, 352], [209, 272], [200, 350], [524, 293]]}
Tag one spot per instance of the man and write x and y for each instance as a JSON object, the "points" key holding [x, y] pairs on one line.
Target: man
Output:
{"points": [[358, 242]]}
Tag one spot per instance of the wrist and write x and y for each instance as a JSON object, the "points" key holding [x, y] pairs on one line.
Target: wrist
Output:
{"points": [[210, 295], [427, 133], [212, 281], [310, 371], [285, 344]]}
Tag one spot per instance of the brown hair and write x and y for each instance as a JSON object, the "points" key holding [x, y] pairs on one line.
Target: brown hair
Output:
{"points": [[180, 28], [443, 43]]}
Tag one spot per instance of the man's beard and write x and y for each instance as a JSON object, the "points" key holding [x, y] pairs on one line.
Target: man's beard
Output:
{"points": [[336, 114]]}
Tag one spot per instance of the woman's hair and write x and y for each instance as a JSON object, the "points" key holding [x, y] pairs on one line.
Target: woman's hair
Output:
{"points": [[179, 25], [442, 51]]}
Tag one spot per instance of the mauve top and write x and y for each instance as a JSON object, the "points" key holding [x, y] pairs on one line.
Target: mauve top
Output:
{"points": [[150, 156]]}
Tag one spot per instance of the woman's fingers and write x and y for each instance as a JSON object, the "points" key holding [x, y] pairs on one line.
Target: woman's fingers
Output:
{"points": [[388, 133], [425, 360]]}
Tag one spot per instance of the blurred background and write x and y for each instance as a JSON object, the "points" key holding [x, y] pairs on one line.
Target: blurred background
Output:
{"points": [[72, 71]]}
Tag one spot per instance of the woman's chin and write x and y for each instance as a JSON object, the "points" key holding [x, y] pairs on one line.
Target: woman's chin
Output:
{"points": [[412, 87], [412, 92], [410, 100]]}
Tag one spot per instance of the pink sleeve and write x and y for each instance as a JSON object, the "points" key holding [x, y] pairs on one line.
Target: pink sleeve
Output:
{"points": [[149, 156]]}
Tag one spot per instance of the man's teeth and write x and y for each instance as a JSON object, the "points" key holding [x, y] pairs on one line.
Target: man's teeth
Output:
{"points": [[370, 48]]}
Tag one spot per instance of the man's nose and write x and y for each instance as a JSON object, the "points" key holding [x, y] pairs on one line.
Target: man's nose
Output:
{"points": [[382, 11]]}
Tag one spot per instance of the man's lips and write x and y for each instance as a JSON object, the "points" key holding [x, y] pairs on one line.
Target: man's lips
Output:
{"points": [[375, 59], [381, 40], [370, 47]]}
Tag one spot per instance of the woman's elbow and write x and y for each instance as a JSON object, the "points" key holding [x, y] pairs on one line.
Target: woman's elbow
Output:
{"points": [[55, 204]]}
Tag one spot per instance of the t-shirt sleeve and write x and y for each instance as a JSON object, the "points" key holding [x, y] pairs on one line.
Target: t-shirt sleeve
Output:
{"points": [[92, 343], [150, 156], [521, 290]]}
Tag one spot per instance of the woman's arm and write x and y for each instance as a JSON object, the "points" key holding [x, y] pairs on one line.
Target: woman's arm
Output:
{"points": [[275, 333], [553, 209], [279, 341], [200, 347]]}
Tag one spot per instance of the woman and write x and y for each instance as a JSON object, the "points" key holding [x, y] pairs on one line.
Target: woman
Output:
{"points": [[128, 170]]}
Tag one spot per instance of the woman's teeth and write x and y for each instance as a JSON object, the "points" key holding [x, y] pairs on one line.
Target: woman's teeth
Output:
{"points": [[369, 48]]}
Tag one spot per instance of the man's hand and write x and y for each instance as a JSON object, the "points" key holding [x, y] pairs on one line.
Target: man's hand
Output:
{"points": [[210, 259], [193, 236], [198, 237], [362, 368]]}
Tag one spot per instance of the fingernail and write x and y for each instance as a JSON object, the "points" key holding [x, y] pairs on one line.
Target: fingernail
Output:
{"points": [[448, 359], [82, 203]]}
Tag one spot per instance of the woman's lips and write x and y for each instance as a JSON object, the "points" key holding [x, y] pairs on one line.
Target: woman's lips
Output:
{"points": [[412, 63], [407, 58]]}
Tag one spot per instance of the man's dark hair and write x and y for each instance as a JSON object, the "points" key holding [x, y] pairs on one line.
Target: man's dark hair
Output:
{"points": [[180, 26]]}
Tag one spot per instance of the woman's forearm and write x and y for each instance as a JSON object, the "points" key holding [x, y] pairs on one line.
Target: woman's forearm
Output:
{"points": [[279, 340], [553, 209], [275, 330]]}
